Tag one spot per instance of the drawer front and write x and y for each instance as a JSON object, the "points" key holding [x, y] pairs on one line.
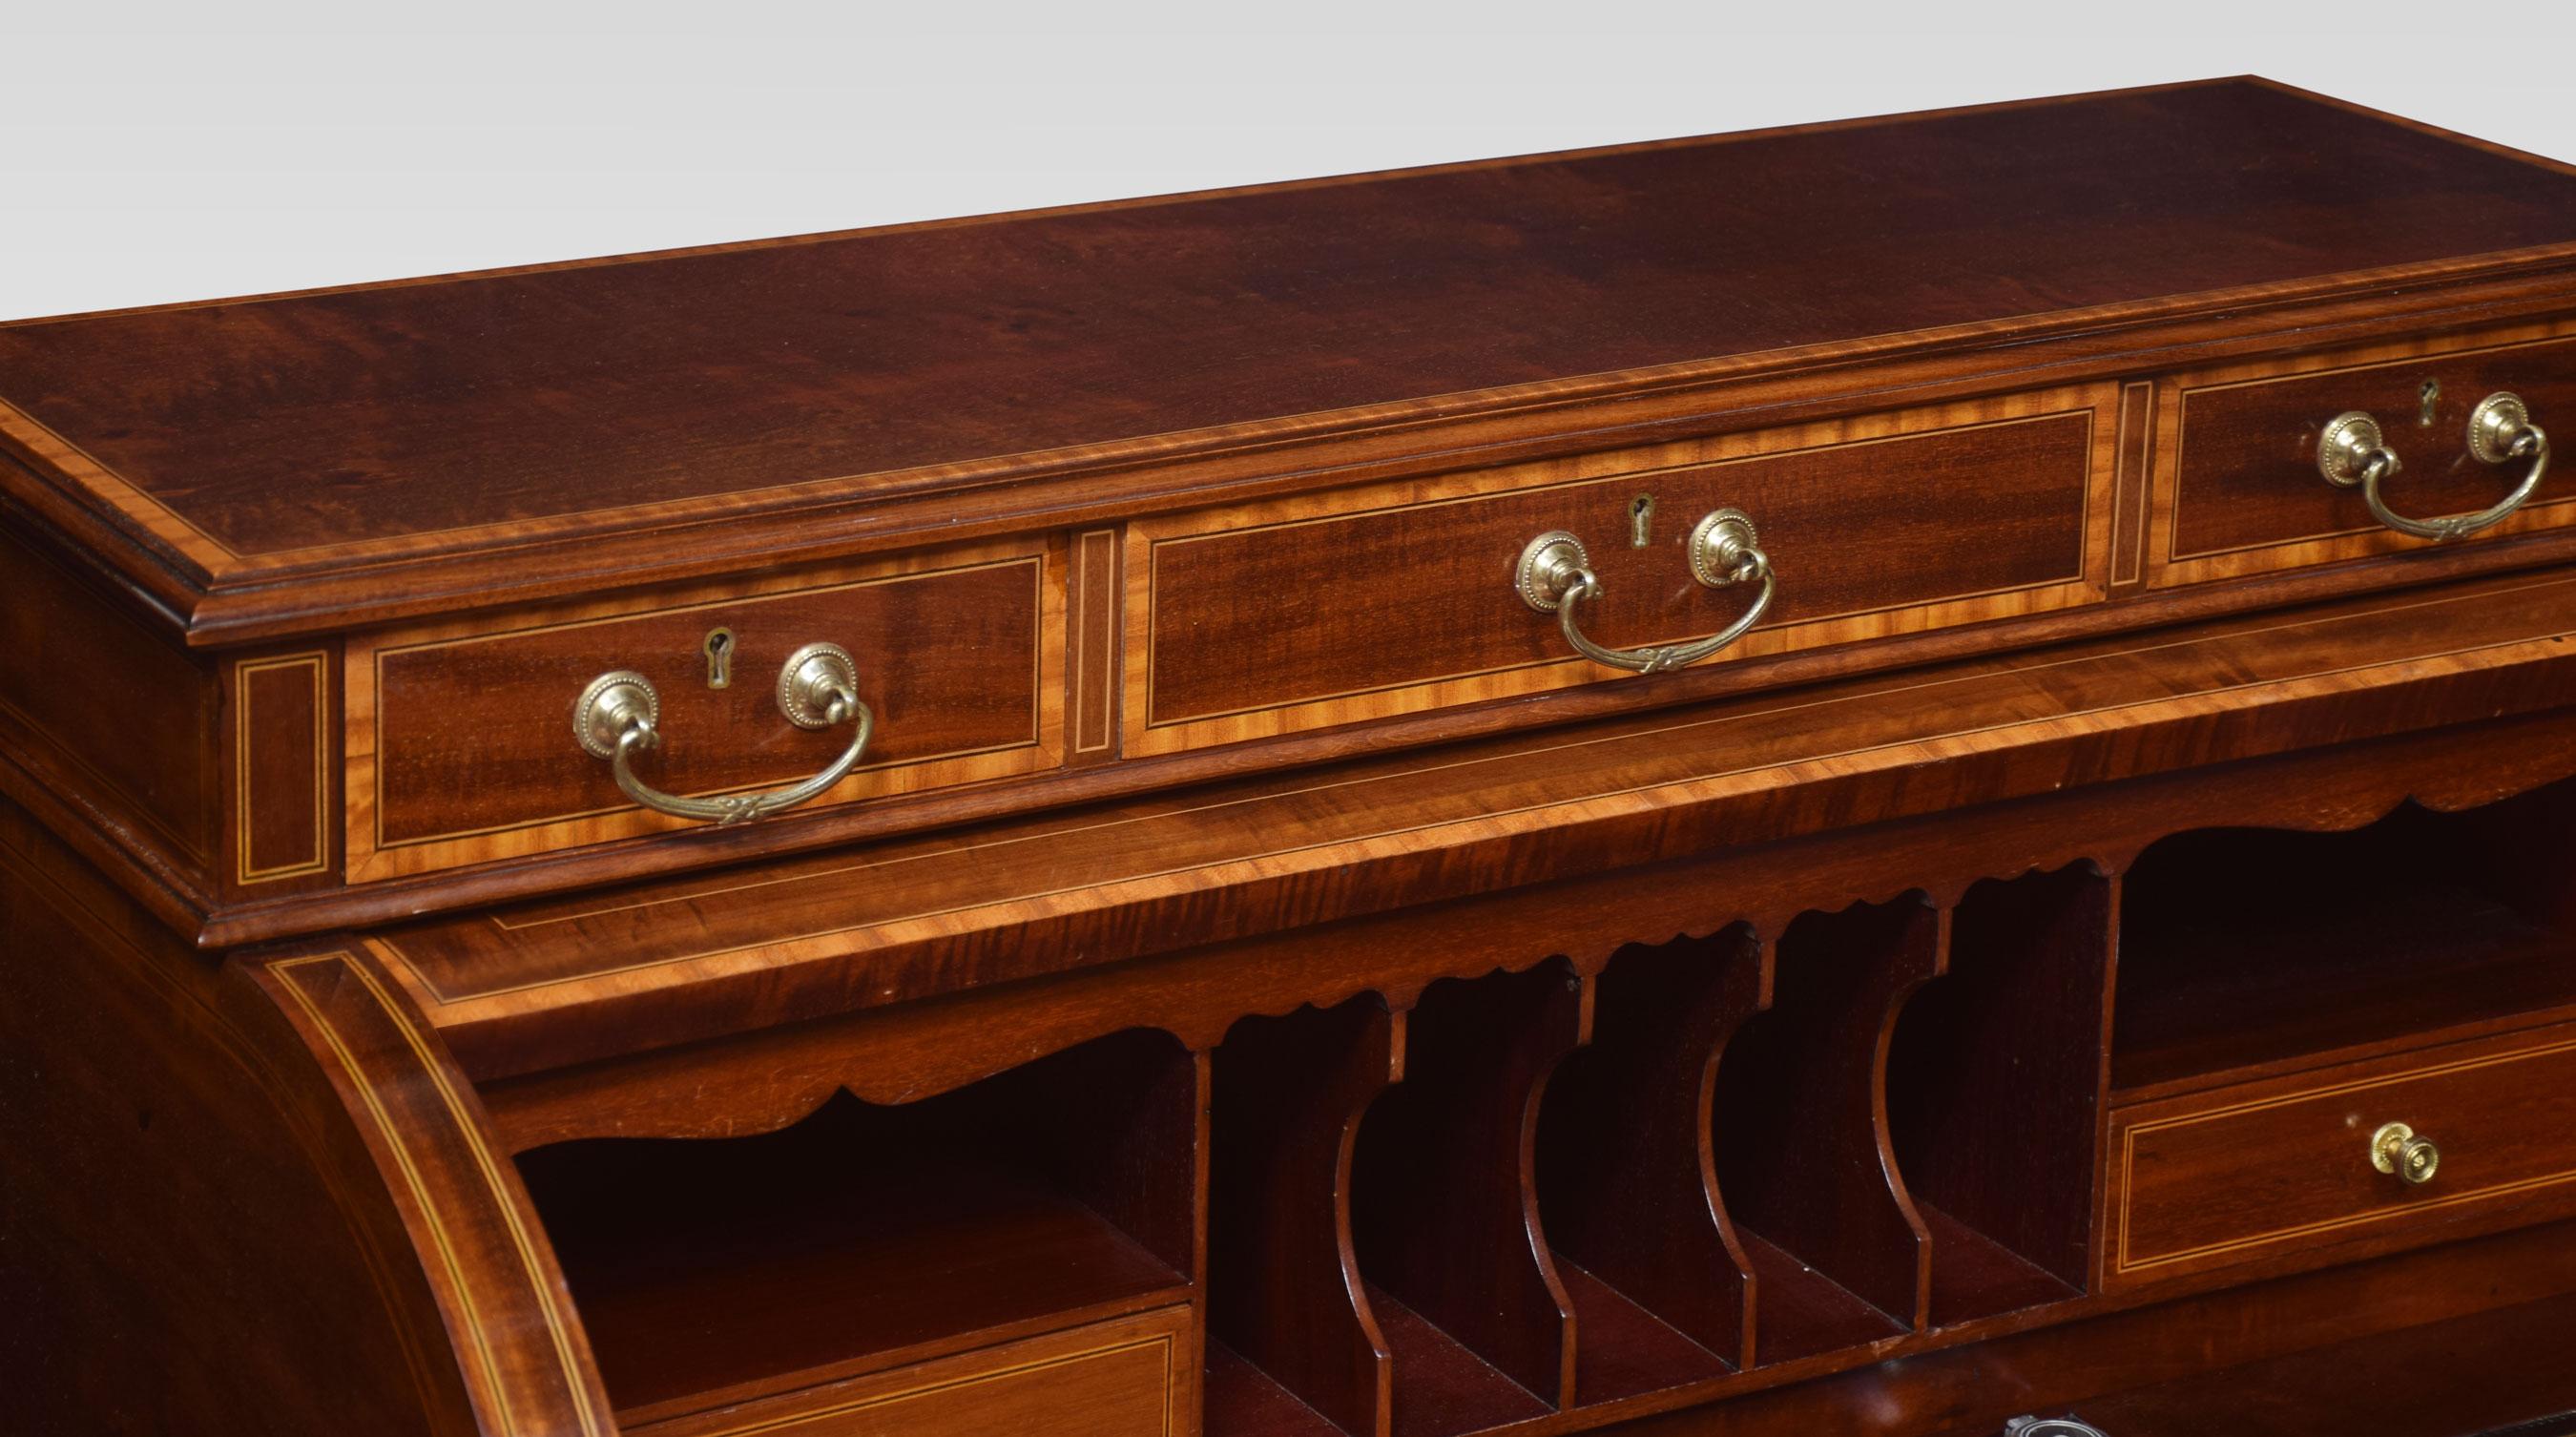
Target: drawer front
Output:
{"points": [[459, 741], [1395, 598], [1135, 1377], [2237, 486], [2284, 1166]]}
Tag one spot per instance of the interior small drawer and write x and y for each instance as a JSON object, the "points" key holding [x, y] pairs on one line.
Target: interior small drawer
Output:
{"points": [[1361, 603], [2240, 489], [1134, 1377], [2302, 1164], [461, 743]]}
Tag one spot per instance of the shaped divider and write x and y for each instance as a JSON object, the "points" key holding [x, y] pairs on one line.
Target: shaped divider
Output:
{"points": [[1995, 1080], [1663, 1293], [1803, 1165], [1294, 1347], [1445, 1208]]}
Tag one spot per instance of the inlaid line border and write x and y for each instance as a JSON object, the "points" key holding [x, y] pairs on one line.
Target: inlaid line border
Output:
{"points": [[245, 736]]}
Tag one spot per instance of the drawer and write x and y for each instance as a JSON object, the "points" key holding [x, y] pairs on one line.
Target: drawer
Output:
{"points": [[2237, 487], [459, 740], [1394, 598], [1134, 1377], [2284, 1167]]}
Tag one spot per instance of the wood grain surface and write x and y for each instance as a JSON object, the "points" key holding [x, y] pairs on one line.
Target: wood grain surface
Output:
{"points": [[1132, 1377], [931, 916], [1994, 1091], [2493, 1373], [891, 350], [1880, 525], [219, 917], [197, 1150], [1285, 1286], [280, 752], [2239, 492], [1268, 989], [2185, 1357], [823, 390], [460, 746], [2283, 1165], [865, 1238], [1444, 1202], [1626, 1150], [2426, 926], [1802, 1145], [145, 769]]}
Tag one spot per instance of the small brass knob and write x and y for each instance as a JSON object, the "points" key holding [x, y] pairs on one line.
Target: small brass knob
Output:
{"points": [[2396, 1150]]}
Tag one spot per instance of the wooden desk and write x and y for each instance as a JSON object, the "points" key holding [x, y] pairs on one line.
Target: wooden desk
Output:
{"points": [[1809, 781]]}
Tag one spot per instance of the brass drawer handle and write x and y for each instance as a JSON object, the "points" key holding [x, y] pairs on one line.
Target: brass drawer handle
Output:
{"points": [[2351, 452], [619, 715], [2395, 1150], [1555, 574]]}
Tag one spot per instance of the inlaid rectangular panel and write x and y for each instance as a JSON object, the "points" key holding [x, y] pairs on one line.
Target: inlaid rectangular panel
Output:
{"points": [[2283, 1166], [2238, 490], [2129, 499], [281, 763], [1393, 598], [1091, 632], [460, 741]]}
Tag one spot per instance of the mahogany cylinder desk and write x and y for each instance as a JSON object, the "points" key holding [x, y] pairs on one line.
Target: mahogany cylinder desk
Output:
{"points": [[1910, 777]]}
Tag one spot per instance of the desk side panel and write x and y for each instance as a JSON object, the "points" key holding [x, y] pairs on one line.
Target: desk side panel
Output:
{"points": [[242, 1203]]}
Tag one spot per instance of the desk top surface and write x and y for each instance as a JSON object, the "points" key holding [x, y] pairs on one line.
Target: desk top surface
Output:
{"points": [[271, 435]]}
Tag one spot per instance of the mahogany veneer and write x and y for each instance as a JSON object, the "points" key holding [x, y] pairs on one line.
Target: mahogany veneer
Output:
{"points": [[1210, 661], [2223, 511], [2213, 1179], [1258, 979]]}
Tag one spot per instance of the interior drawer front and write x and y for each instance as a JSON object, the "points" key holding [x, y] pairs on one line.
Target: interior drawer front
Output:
{"points": [[460, 741], [2284, 1166], [2242, 494], [1134, 1377], [1395, 598]]}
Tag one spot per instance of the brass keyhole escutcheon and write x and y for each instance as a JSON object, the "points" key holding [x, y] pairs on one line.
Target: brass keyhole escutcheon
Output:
{"points": [[2397, 1151], [718, 648]]}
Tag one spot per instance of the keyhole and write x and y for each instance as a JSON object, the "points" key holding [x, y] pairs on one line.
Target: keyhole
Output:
{"points": [[1641, 520], [719, 651], [2425, 400]]}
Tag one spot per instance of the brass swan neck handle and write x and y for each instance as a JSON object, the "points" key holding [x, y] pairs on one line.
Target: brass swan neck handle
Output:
{"points": [[1555, 576], [619, 715], [2351, 452]]}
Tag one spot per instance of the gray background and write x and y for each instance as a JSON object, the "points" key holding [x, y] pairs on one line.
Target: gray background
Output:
{"points": [[158, 153]]}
